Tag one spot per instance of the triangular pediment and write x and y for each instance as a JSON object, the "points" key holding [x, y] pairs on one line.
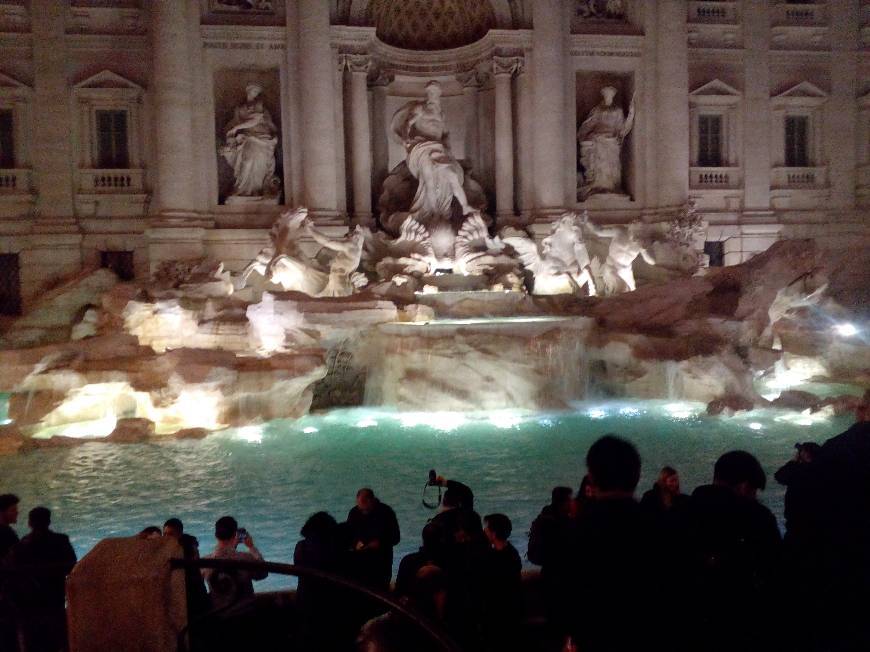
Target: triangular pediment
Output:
{"points": [[10, 82], [108, 79], [803, 90], [715, 87]]}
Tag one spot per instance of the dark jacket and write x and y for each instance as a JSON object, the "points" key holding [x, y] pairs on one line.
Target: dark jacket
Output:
{"points": [[373, 567], [8, 538], [45, 559]]}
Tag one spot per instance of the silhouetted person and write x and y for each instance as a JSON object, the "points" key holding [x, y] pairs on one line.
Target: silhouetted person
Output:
{"points": [[8, 538], [41, 561], [547, 526], [8, 518], [393, 632], [735, 548], [228, 587], [665, 495], [429, 554], [841, 482], [457, 499], [374, 532], [318, 602], [551, 541], [150, 532], [610, 566], [502, 587], [197, 597]]}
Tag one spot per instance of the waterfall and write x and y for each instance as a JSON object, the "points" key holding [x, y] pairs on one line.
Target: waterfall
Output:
{"points": [[672, 376]]}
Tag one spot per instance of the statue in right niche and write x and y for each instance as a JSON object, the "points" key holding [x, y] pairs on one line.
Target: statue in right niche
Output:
{"points": [[601, 137]]}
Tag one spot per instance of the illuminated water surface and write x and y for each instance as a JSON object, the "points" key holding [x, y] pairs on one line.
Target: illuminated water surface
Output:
{"points": [[272, 477]]}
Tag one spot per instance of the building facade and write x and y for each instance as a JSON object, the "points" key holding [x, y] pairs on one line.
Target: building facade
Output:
{"points": [[120, 119]]}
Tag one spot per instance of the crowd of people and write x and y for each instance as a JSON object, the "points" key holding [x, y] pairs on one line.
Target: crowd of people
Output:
{"points": [[706, 571]]}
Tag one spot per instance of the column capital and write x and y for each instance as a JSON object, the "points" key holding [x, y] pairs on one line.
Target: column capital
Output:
{"points": [[506, 65], [380, 77], [470, 79], [355, 63]]}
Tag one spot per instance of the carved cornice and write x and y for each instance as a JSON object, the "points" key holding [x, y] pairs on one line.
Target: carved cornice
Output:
{"points": [[469, 78], [99, 42], [445, 62], [236, 36], [606, 45]]}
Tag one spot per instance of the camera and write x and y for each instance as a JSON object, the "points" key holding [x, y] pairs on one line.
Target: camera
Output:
{"points": [[241, 535], [433, 477], [432, 481]]}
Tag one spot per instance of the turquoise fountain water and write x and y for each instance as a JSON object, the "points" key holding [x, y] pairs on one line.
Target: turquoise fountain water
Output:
{"points": [[272, 477]]}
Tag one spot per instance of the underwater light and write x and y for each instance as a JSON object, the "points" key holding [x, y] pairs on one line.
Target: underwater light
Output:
{"points": [[679, 410], [505, 421], [629, 411], [755, 426], [309, 430], [251, 434], [596, 413], [846, 329], [366, 423]]}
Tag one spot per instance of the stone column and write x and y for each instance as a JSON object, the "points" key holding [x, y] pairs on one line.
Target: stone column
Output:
{"points": [[756, 107], [380, 127], [173, 108], [51, 151], [548, 44], [525, 143], [841, 110], [292, 96], [319, 140], [672, 91], [503, 69], [360, 138], [470, 81]]}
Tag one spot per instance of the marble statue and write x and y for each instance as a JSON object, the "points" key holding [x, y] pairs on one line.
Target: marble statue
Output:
{"points": [[420, 127], [601, 136], [561, 264], [285, 264], [249, 148], [616, 273], [614, 9]]}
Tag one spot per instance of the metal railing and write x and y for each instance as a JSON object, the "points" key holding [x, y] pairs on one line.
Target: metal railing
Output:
{"points": [[431, 629]]}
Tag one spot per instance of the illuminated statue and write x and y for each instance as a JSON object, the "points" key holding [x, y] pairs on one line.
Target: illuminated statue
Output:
{"points": [[284, 263], [419, 126], [251, 137], [601, 136], [561, 264], [625, 245]]}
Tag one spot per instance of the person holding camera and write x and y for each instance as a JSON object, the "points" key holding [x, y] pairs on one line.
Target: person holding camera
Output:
{"points": [[228, 587]]}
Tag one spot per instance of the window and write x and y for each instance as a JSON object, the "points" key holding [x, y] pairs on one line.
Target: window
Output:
{"points": [[10, 285], [715, 249], [796, 141], [710, 141], [120, 262], [112, 140], [7, 144]]}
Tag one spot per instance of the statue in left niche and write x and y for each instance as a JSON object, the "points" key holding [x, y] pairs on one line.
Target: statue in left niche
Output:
{"points": [[332, 272], [249, 148]]}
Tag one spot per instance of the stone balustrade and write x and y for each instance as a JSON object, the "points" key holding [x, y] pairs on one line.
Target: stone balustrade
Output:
{"points": [[14, 181], [715, 178], [714, 12], [799, 15], [111, 181], [807, 177]]}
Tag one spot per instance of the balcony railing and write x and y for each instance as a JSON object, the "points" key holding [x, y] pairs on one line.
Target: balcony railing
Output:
{"points": [[799, 15], [14, 181], [808, 177], [114, 182], [715, 178], [713, 12]]}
